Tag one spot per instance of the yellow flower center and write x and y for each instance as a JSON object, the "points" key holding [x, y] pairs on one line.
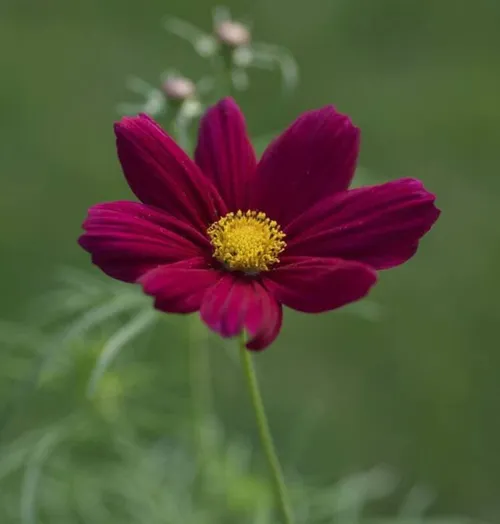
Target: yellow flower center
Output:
{"points": [[247, 241]]}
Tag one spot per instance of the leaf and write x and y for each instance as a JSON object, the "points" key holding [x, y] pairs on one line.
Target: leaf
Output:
{"points": [[33, 474], [112, 347]]}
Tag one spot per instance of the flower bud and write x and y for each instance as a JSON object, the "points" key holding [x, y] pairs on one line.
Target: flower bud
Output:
{"points": [[232, 34], [178, 88]]}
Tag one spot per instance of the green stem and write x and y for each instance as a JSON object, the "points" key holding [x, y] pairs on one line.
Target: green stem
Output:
{"points": [[200, 383], [177, 128], [265, 433], [225, 70]]}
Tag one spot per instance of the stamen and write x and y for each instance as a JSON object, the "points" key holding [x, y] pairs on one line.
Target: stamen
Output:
{"points": [[247, 241]]}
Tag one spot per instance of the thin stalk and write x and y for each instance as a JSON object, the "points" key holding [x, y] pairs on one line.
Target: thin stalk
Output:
{"points": [[224, 66], [265, 433], [200, 383]]}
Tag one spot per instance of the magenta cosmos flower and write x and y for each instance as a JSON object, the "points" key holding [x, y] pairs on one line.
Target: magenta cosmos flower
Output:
{"points": [[237, 239]]}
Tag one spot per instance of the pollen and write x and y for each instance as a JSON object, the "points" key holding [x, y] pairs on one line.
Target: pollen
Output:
{"points": [[247, 241]]}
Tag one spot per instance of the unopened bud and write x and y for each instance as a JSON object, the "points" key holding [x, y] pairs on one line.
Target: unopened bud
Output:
{"points": [[178, 88], [233, 34]]}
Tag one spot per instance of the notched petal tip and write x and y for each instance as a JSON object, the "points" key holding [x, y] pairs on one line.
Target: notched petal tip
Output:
{"points": [[315, 285], [180, 287], [235, 305], [413, 195], [331, 111], [313, 159], [225, 153], [337, 122], [132, 123], [82, 240], [379, 225], [227, 101], [226, 106], [269, 329], [127, 239], [264, 319], [162, 175]]}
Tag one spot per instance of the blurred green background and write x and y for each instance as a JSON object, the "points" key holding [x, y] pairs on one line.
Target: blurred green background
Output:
{"points": [[419, 388]]}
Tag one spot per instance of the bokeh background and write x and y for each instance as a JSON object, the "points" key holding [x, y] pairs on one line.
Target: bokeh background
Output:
{"points": [[417, 387]]}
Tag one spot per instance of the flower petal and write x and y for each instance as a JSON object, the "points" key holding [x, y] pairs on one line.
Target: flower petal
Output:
{"points": [[314, 285], [225, 153], [314, 158], [127, 239], [264, 319], [378, 225], [180, 287], [161, 174], [235, 304]]}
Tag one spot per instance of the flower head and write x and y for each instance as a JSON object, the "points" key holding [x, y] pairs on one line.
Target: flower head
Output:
{"points": [[232, 40], [232, 33], [237, 239], [178, 88]]}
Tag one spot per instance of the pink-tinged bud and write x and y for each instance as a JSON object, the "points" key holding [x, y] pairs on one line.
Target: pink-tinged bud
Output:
{"points": [[233, 34], [178, 88]]}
